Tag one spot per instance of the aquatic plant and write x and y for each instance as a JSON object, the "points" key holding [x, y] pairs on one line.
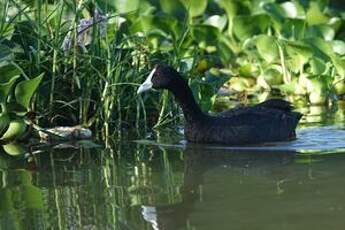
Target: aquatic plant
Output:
{"points": [[94, 53]]}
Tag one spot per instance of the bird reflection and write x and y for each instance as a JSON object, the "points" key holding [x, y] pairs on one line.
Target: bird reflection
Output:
{"points": [[198, 159]]}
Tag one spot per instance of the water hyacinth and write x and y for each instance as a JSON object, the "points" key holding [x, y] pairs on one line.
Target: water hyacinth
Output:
{"points": [[84, 31]]}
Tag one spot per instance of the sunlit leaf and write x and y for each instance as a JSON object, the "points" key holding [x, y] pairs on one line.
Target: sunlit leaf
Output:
{"points": [[318, 66], [339, 47], [15, 130], [299, 53], [248, 70], [216, 21], [126, 6], [324, 31], [248, 26], [230, 7], [315, 14], [268, 48], [292, 9], [195, 7], [25, 89], [339, 65], [273, 75], [320, 48], [335, 23]]}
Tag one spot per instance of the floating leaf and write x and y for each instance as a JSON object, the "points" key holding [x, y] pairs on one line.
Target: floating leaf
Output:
{"points": [[195, 7], [206, 34], [126, 6], [267, 48], [247, 26], [324, 31], [15, 130], [273, 75], [248, 70], [293, 28], [216, 21], [163, 25], [315, 15], [322, 48], [339, 65], [14, 149], [25, 89], [275, 11], [339, 47], [292, 9], [173, 7], [318, 66]]}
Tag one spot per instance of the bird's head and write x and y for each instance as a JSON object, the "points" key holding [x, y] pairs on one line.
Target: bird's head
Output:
{"points": [[161, 77]]}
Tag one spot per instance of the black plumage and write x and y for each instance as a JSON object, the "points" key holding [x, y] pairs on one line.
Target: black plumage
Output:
{"points": [[270, 121]]}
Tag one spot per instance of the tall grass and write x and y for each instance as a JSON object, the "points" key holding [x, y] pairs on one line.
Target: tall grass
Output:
{"points": [[95, 53], [94, 81]]}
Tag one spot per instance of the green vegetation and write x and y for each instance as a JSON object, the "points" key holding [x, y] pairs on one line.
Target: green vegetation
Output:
{"points": [[91, 55]]}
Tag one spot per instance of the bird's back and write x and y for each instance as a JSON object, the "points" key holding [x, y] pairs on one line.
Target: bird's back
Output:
{"points": [[272, 120]]}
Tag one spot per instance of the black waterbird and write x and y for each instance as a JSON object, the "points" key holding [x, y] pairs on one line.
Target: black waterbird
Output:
{"points": [[270, 121]]}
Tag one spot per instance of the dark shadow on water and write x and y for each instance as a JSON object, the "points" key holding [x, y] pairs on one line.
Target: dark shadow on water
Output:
{"points": [[197, 161]]}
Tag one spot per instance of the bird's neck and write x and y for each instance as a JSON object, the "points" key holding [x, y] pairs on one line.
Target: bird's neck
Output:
{"points": [[184, 96]]}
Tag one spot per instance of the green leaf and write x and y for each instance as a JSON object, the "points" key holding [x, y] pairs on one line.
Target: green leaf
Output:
{"points": [[267, 48], [339, 65], [247, 26], [4, 122], [7, 72], [293, 29], [275, 11], [216, 21], [173, 7], [292, 9], [321, 48], [163, 25], [249, 70], [5, 89], [25, 89], [273, 75], [126, 6], [206, 34], [336, 23], [195, 7], [315, 15], [339, 47], [318, 66], [5, 53], [324, 31], [232, 8], [299, 53]]}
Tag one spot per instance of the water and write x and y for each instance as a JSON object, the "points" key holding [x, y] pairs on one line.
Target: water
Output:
{"points": [[169, 184]]}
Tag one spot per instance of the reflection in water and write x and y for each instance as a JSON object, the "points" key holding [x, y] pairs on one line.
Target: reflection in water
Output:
{"points": [[149, 187], [198, 161], [137, 186]]}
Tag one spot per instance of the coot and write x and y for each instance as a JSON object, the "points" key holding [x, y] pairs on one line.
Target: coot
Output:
{"points": [[270, 121]]}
